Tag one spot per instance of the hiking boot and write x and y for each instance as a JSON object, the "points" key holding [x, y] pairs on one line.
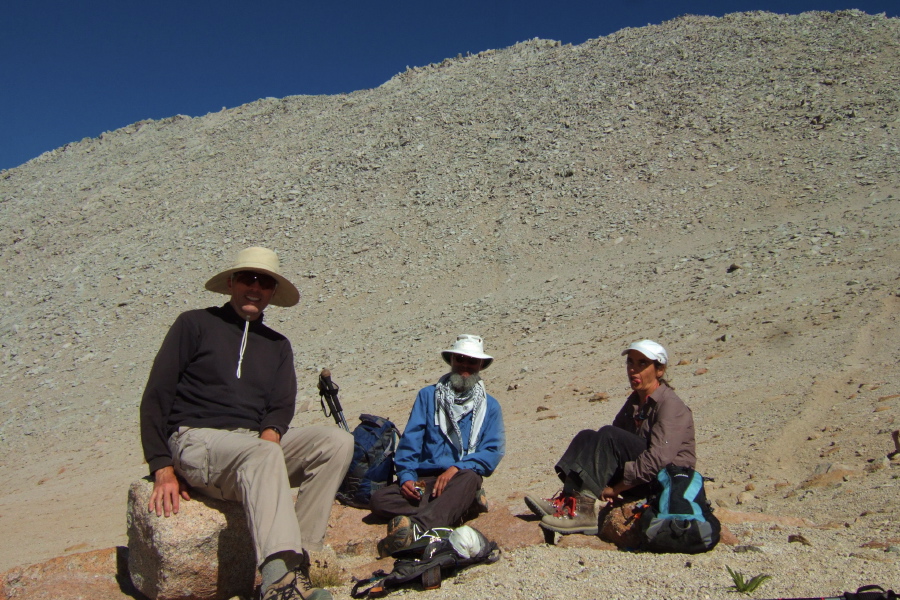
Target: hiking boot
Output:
{"points": [[481, 504], [543, 507], [398, 522], [576, 514], [400, 535], [295, 585]]}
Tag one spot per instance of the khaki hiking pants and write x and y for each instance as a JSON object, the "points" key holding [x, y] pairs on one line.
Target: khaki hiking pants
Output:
{"points": [[237, 465]]}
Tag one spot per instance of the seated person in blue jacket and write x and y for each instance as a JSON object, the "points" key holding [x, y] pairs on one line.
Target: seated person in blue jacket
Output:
{"points": [[454, 437]]}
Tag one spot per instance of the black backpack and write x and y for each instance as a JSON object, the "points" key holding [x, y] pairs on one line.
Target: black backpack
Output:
{"points": [[678, 518], [438, 552], [374, 443]]}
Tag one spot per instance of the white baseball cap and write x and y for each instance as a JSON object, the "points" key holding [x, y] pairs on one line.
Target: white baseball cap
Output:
{"points": [[650, 349]]}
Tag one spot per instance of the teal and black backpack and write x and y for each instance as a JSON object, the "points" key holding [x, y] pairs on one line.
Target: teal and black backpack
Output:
{"points": [[678, 518]]}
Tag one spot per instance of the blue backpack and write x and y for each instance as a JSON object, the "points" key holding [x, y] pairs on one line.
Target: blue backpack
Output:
{"points": [[679, 518], [372, 467]]}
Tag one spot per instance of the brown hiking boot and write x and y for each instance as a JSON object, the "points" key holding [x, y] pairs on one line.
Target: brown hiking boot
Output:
{"points": [[295, 585], [576, 514], [400, 535], [543, 507], [481, 504]]}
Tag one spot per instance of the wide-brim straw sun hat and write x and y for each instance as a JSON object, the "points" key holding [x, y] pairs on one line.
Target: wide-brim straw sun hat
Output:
{"points": [[468, 345], [650, 349], [258, 260]]}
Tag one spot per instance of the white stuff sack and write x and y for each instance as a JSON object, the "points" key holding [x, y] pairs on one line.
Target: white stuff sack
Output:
{"points": [[468, 542]]}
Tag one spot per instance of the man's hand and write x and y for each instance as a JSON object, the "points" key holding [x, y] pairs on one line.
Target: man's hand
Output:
{"points": [[408, 489], [168, 488], [270, 435], [442, 481]]}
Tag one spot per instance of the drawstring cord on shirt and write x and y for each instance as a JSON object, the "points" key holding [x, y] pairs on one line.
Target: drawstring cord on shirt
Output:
{"points": [[243, 347]]}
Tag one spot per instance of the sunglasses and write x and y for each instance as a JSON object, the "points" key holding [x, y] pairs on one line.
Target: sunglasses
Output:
{"points": [[465, 360], [248, 278]]}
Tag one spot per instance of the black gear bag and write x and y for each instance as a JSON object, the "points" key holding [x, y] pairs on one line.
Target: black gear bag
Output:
{"points": [[438, 552]]}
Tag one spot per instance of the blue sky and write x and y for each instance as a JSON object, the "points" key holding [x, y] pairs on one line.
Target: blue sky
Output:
{"points": [[76, 69]]}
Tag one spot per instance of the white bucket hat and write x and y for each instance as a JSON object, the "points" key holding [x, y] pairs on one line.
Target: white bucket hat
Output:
{"points": [[468, 345], [258, 260], [650, 349]]}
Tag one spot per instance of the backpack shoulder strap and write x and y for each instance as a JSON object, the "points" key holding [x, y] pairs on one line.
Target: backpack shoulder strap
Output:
{"points": [[375, 583]]}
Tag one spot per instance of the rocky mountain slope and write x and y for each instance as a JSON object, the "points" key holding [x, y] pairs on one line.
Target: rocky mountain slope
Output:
{"points": [[727, 186]]}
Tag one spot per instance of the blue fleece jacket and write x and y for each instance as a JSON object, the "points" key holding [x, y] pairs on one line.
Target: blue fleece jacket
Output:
{"points": [[424, 449]]}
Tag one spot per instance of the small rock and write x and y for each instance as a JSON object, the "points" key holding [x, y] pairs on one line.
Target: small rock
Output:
{"points": [[701, 371], [796, 537], [878, 464]]}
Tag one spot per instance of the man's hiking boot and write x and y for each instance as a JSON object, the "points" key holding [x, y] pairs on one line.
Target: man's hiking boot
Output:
{"points": [[400, 535], [481, 504], [295, 585], [543, 507], [576, 514]]}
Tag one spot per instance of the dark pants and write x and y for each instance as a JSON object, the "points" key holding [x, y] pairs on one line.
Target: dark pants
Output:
{"points": [[596, 459], [446, 510]]}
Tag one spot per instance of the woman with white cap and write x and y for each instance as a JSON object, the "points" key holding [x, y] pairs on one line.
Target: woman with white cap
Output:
{"points": [[653, 429]]}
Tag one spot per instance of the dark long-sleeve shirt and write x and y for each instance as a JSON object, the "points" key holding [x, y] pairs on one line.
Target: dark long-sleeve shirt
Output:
{"points": [[194, 383], [667, 424]]}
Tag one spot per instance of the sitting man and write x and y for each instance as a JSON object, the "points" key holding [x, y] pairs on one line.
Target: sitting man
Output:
{"points": [[454, 437], [215, 419]]}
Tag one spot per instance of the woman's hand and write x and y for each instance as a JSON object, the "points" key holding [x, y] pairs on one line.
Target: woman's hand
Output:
{"points": [[608, 494], [611, 493]]}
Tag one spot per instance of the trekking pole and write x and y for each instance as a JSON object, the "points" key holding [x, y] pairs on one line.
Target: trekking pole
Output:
{"points": [[866, 592], [328, 394]]}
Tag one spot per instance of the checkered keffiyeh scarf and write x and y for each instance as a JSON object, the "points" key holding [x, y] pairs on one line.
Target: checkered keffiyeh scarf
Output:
{"points": [[450, 408]]}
